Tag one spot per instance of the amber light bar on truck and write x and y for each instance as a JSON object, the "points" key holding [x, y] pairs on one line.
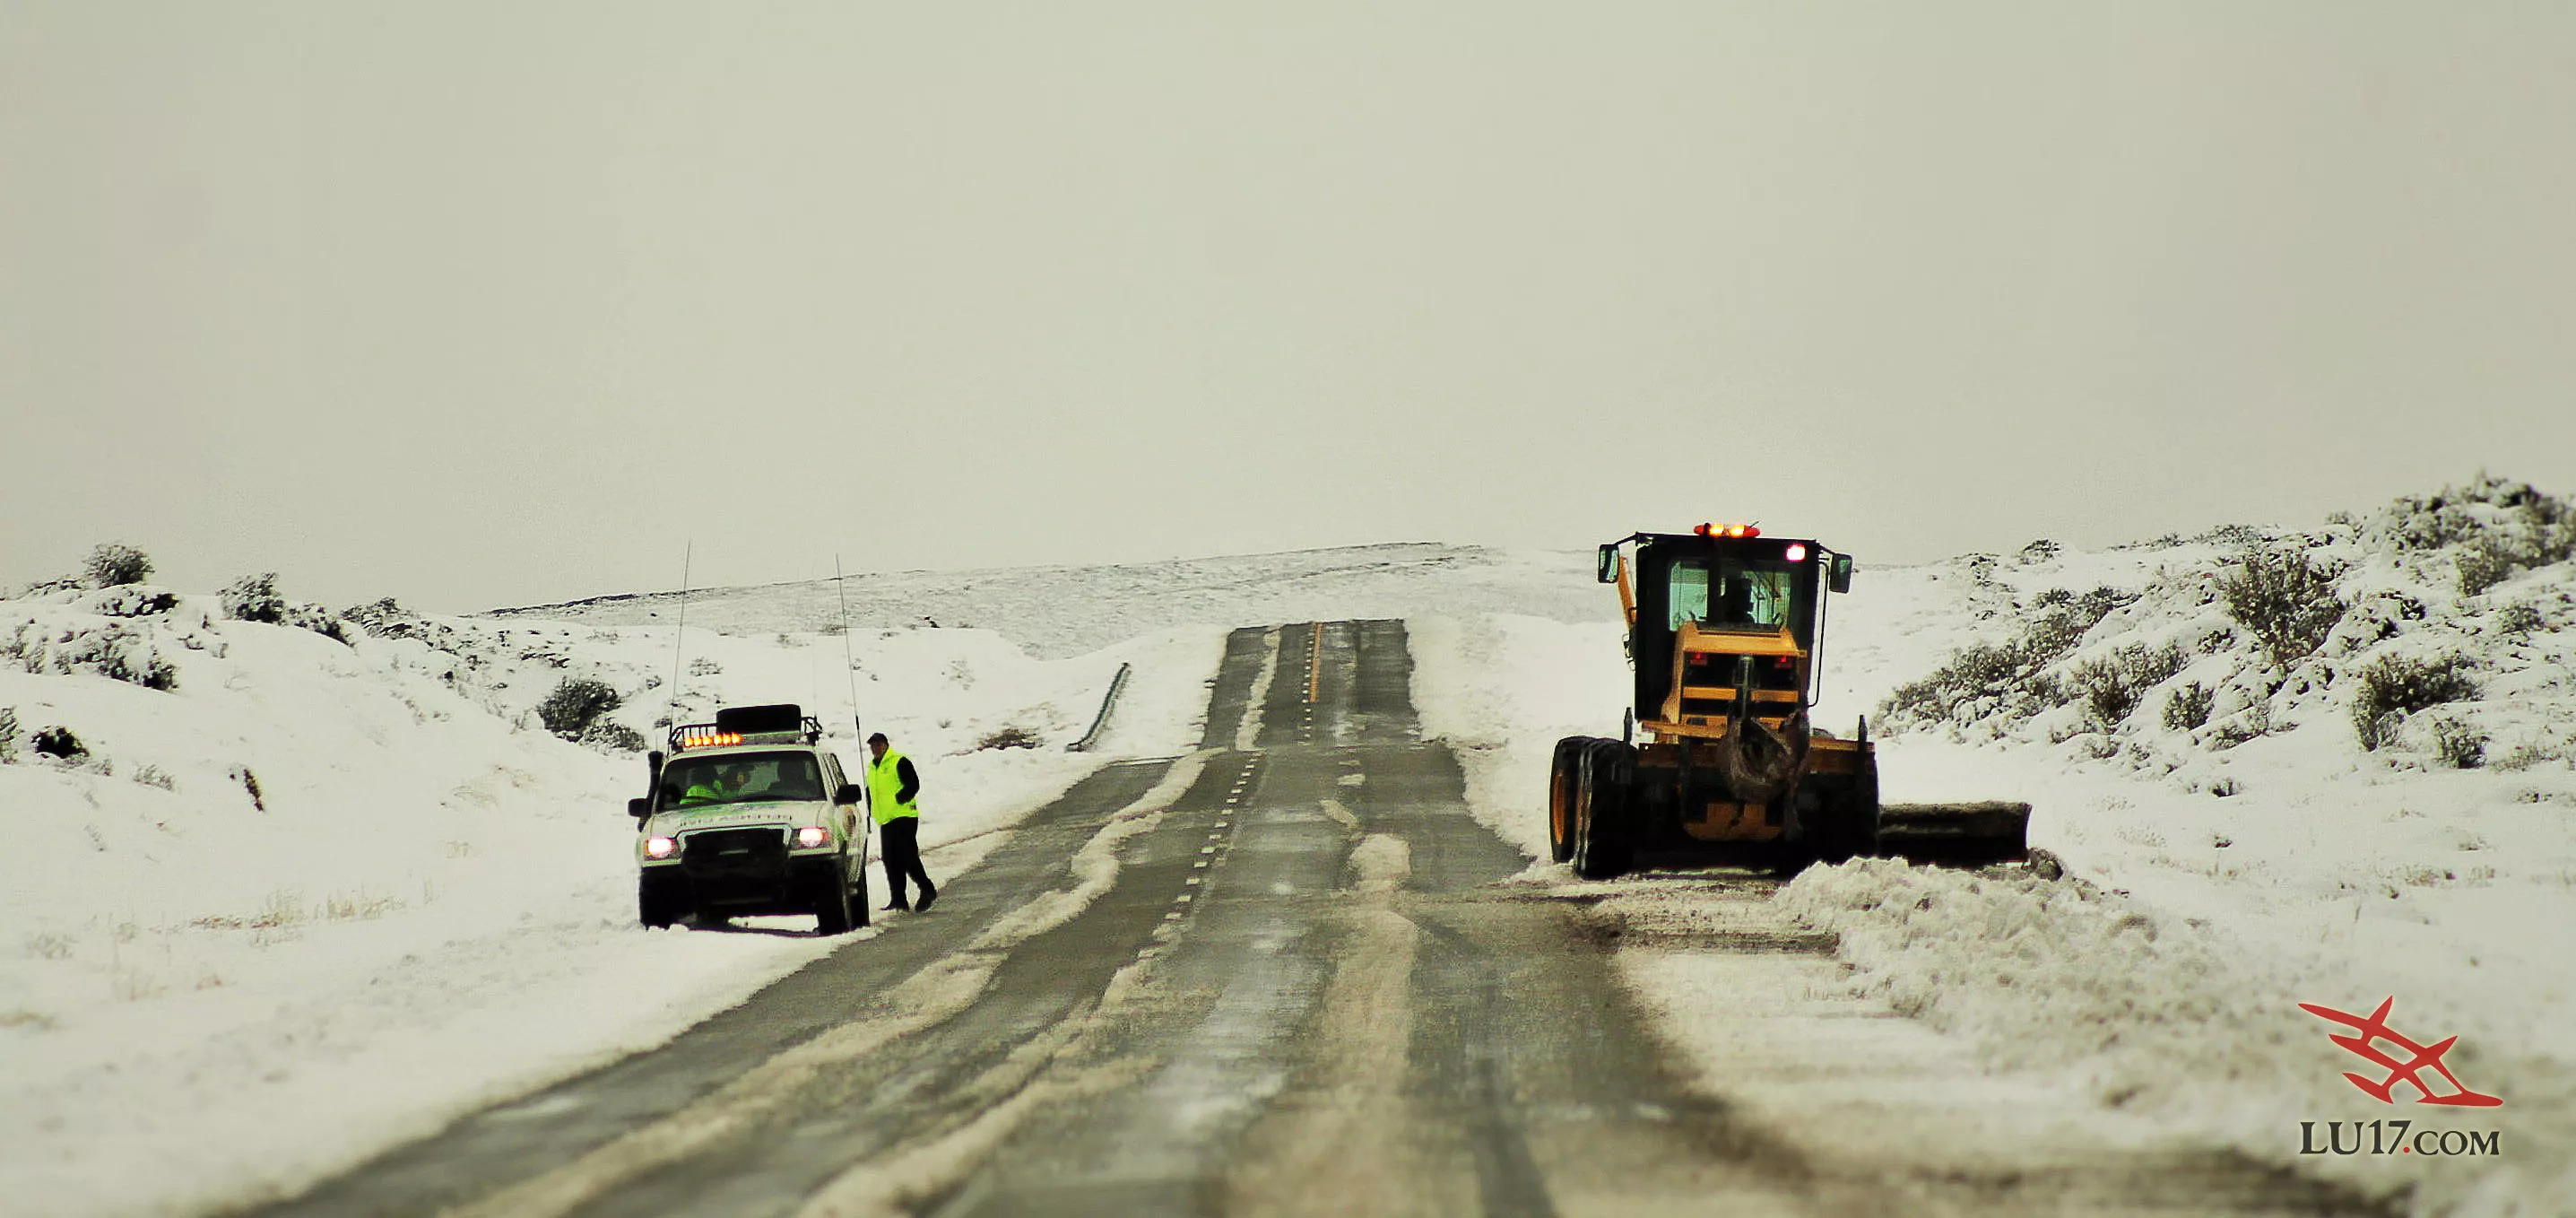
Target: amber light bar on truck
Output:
{"points": [[784, 723]]}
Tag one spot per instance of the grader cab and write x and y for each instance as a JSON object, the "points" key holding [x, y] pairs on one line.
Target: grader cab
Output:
{"points": [[1726, 632]]}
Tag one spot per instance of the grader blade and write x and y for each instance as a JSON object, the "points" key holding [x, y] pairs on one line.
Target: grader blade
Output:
{"points": [[1965, 833]]}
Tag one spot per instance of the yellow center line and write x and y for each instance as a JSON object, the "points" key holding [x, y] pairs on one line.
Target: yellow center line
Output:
{"points": [[1315, 663]]}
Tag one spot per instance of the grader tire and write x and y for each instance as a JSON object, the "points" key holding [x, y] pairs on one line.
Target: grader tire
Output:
{"points": [[1602, 844], [1562, 775]]}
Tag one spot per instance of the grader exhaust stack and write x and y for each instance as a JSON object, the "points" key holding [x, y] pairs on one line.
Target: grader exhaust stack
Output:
{"points": [[1726, 631]]}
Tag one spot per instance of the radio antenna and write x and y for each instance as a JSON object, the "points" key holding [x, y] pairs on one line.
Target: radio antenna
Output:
{"points": [[670, 705], [849, 665], [850, 669]]}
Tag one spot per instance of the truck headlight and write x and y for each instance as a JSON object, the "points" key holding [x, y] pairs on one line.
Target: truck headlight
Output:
{"points": [[813, 835], [660, 847]]}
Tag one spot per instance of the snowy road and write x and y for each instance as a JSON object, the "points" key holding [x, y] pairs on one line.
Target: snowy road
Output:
{"points": [[1290, 974]]}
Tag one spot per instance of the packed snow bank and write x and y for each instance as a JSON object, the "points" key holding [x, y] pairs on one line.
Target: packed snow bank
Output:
{"points": [[298, 895], [1501, 690], [2195, 1023]]}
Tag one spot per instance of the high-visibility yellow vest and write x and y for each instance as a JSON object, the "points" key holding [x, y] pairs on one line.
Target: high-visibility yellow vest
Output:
{"points": [[883, 782]]}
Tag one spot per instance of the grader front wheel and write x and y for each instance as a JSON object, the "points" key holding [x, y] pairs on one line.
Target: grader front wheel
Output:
{"points": [[1562, 776], [1602, 840]]}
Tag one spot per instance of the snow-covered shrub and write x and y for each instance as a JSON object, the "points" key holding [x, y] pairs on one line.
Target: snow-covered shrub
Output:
{"points": [[155, 776], [2516, 519], [2041, 550], [612, 736], [1983, 680], [2111, 687], [2285, 600], [114, 564], [2519, 620], [576, 704], [254, 598], [2393, 687], [8, 734], [131, 600], [2457, 744], [2482, 565], [59, 742], [1013, 737], [112, 650], [379, 618], [2187, 708]]}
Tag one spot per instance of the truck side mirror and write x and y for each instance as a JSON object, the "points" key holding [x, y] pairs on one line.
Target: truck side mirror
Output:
{"points": [[1841, 578], [1607, 571], [639, 808], [849, 793]]}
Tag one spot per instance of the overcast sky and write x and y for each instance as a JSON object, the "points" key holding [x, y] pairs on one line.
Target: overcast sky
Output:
{"points": [[483, 304]]}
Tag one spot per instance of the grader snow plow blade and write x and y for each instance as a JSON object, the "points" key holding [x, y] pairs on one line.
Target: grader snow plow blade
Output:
{"points": [[1971, 833]]}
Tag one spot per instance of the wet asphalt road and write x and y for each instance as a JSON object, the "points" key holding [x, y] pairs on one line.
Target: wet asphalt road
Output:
{"points": [[1287, 974]]}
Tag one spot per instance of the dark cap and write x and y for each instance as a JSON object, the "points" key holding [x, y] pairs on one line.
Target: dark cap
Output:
{"points": [[876, 738]]}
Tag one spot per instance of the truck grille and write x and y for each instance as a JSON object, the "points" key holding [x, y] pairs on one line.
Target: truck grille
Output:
{"points": [[717, 853]]}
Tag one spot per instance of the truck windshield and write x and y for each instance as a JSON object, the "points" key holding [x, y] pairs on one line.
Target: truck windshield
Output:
{"points": [[1744, 597], [739, 778]]}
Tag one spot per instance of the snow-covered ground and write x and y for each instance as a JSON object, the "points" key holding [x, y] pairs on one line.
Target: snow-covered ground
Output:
{"points": [[318, 896], [2223, 873], [427, 903]]}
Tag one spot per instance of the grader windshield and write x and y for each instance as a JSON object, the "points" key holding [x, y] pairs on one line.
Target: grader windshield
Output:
{"points": [[1730, 596]]}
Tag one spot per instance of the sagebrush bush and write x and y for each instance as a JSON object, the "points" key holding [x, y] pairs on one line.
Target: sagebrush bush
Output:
{"points": [[1985, 678], [2519, 620], [575, 705], [2112, 687], [2516, 518], [2482, 565], [254, 598], [139, 666], [1009, 738], [2459, 746], [2187, 708], [614, 736], [2393, 687], [2285, 600], [114, 564], [59, 742]]}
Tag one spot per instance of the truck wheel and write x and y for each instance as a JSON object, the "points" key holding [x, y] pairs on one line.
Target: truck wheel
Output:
{"points": [[831, 901], [1561, 777], [1602, 833], [655, 902]]}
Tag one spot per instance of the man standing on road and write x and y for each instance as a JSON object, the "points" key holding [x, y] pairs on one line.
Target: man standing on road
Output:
{"points": [[892, 786]]}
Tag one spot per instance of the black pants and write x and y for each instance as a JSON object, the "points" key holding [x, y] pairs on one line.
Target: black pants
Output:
{"points": [[903, 858]]}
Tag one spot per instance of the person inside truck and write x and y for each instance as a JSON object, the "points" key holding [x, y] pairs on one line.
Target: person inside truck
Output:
{"points": [[724, 784]]}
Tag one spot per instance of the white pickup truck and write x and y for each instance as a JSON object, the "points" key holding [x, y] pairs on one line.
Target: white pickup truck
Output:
{"points": [[751, 815]]}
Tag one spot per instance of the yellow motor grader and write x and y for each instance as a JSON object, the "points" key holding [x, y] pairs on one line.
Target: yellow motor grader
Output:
{"points": [[1726, 630]]}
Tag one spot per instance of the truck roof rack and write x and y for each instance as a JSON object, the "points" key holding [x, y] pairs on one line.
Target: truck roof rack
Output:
{"points": [[780, 723]]}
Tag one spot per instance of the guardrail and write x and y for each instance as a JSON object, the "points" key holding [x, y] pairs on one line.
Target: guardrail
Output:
{"points": [[1101, 720]]}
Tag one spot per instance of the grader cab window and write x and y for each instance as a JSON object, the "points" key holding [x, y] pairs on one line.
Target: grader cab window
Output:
{"points": [[1727, 597]]}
